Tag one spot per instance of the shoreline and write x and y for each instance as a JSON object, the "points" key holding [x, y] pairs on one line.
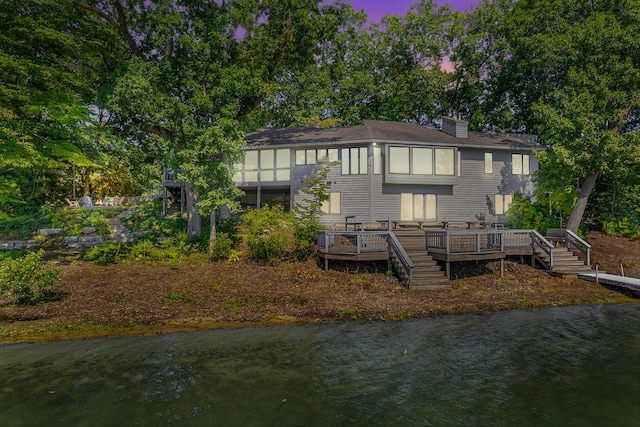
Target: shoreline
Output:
{"points": [[207, 324], [137, 299], [141, 300]]}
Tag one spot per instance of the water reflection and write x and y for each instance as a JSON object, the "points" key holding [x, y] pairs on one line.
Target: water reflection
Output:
{"points": [[555, 366]]}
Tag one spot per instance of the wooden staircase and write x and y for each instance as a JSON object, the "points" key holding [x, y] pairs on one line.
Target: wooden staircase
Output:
{"points": [[427, 274], [565, 262]]}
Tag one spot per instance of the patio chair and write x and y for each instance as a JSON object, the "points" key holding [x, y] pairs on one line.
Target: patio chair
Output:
{"points": [[114, 201], [86, 201], [107, 201], [72, 203]]}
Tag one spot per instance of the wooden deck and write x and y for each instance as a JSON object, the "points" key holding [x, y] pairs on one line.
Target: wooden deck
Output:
{"points": [[447, 246]]}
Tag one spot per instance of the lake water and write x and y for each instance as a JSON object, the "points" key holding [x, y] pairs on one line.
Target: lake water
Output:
{"points": [[568, 366]]}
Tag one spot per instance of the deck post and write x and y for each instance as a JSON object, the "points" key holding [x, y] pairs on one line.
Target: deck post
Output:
{"points": [[447, 269], [501, 267]]}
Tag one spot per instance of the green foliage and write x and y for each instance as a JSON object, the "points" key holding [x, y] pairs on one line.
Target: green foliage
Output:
{"points": [[148, 217], [306, 232], [316, 193], [173, 296], [268, 233], [224, 247], [21, 226], [527, 215], [147, 249], [627, 226], [28, 279], [109, 253]]}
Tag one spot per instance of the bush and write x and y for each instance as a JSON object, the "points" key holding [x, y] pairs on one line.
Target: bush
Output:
{"points": [[223, 247], [109, 253], [625, 227], [268, 233], [28, 278], [272, 247], [20, 227], [527, 215], [149, 217]]}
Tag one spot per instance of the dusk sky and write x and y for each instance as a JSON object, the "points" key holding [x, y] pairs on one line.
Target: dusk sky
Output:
{"points": [[376, 9]]}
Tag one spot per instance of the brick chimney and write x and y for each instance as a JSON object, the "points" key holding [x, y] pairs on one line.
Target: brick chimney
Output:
{"points": [[455, 127]]}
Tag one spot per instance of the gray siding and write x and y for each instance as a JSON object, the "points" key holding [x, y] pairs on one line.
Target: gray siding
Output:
{"points": [[371, 199]]}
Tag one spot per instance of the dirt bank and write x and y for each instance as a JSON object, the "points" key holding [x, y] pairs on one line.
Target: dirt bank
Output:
{"points": [[140, 299]]}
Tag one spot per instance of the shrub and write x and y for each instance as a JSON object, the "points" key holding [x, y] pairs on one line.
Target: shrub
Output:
{"points": [[524, 214], [223, 247], [268, 233], [625, 227], [28, 278], [109, 253], [20, 227], [271, 247]]}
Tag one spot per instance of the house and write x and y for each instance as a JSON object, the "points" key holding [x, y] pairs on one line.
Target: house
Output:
{"points": [[391, 170]]}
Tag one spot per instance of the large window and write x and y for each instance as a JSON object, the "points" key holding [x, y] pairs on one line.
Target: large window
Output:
{"points": [[502, 203], [331, 206], [488, 162], [520, 164], [377, 160], [417, 207], [422, 161], [311, 157], [354, 161], [399, 160], [267, 165], [444, 161], [250, 166]]}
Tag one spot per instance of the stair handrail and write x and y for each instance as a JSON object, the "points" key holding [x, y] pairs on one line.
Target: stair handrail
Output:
{"points": [[395, 247], [537, 240], [572, 240]]}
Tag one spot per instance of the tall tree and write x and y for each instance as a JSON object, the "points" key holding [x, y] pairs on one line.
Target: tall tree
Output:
{"points": [[195, 71], [47, 71], [570, 71], [387, 71]]}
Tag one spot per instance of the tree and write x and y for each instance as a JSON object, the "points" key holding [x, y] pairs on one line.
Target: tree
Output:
{"points": [[387, 71], [195, 71], [46, 75], [570, 72]]}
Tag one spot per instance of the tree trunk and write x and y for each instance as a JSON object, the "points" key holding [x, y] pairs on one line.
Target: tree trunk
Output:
{"points": [[581, 204], [86, 182], [212, 232], [194, 225]]}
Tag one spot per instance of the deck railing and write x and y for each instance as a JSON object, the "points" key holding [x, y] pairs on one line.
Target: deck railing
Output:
{"points": [[358, 242], [395, 248], [573, 241], [539, 242], [465, 241], [353, 241]]}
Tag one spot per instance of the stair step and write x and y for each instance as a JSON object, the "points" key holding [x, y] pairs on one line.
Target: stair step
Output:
{"points": [[444, 284]]}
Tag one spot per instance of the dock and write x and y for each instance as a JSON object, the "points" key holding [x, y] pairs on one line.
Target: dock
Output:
{"points": [[612, 280]]}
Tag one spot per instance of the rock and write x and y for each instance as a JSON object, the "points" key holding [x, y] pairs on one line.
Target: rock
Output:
{"points": [[91, 244], [71, 239], [89, 230], [49, 231]]}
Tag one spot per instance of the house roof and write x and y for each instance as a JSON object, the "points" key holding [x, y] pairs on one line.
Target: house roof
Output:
{"points": [[383, 132]]}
